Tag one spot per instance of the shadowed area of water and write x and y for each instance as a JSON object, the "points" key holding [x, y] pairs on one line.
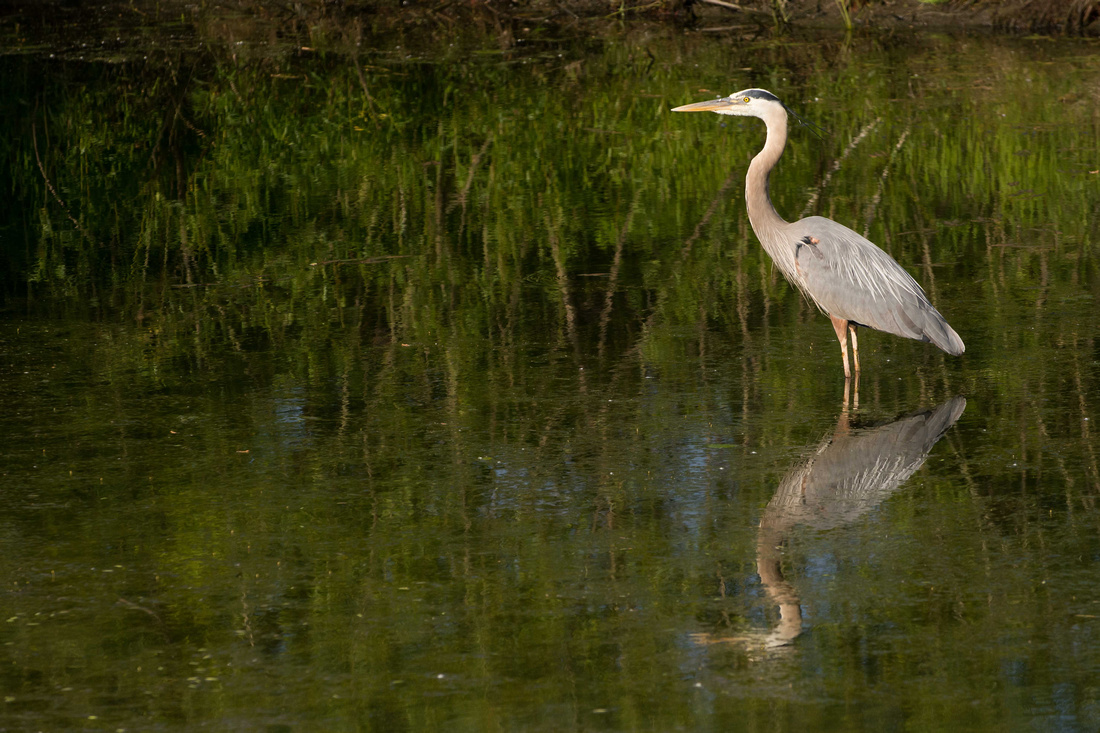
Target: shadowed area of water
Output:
{"points": [[397, 389]]}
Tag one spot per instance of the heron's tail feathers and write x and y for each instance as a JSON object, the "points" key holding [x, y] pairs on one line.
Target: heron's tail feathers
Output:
{"points": [[953, 344], [924, 323], [940, 333]]}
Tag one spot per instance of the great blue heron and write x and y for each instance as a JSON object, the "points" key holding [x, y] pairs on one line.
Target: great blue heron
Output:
{"points": [[849, 278]]}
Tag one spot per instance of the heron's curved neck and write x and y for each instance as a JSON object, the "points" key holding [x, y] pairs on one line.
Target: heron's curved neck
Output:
{"points": [[762, 215]]}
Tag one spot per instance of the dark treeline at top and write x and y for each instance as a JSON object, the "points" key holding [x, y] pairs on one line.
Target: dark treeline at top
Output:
{"points": [[120, 24]]}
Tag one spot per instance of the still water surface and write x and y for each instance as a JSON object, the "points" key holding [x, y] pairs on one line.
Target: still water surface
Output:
{"points": [[452, 391]]}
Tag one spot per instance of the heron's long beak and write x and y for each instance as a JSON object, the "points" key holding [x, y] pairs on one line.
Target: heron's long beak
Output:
{"points": [[711, 105]]}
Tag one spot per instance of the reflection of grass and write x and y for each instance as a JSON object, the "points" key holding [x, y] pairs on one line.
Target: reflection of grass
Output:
{"points": [[433, 218]]}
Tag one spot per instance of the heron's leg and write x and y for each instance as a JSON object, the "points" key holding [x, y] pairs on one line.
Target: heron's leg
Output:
{"points": [[855, 347], [855, 358], [841, 327]]}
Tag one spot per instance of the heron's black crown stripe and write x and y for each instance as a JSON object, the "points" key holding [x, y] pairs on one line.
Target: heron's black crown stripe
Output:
{"points": [[761, 94]]}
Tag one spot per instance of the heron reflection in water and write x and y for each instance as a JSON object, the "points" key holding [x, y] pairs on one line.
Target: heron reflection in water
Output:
{"points": [[850, 472], [844, 274]]}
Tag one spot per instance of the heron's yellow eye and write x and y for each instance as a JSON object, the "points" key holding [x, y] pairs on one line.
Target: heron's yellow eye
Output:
{"points": [[746, 100]]}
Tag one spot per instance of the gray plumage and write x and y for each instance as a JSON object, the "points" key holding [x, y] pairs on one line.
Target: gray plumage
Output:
{"points": [[847, 276], [844, 274]]}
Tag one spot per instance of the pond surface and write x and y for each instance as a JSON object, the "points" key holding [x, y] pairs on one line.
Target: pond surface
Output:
{"points": [[446, 387]]}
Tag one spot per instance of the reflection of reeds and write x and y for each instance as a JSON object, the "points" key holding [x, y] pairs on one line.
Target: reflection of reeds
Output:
{"points": [[289, 174]]}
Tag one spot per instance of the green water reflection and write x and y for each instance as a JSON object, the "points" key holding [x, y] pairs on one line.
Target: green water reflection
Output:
{"points": [[423, 390]]}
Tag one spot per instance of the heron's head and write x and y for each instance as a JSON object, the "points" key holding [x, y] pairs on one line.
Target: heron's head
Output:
{"points": [[746, 103]]}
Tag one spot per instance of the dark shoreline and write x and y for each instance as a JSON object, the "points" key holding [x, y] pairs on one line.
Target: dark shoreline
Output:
{"points": [[68, 26]]}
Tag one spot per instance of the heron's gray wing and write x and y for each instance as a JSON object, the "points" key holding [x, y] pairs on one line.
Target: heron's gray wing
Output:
{"points": [[851, 278]]}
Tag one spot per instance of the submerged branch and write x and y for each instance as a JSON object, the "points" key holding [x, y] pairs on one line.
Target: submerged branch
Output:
{"points": [[836, 166], [882, 183], [721, 4], [609, 295], [718, 198], [46, 178]]}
